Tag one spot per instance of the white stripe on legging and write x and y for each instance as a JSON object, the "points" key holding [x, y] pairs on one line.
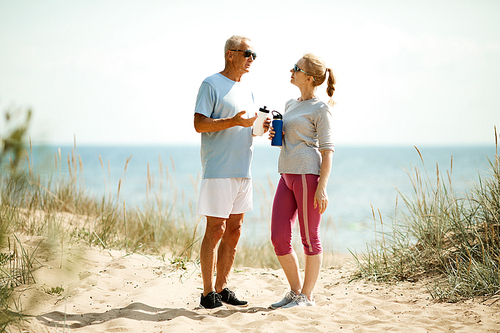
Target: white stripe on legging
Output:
{"points": [[304, 206]]}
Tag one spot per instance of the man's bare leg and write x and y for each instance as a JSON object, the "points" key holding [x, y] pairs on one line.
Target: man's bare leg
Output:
{"points": [[227, 250], [213, 234]]}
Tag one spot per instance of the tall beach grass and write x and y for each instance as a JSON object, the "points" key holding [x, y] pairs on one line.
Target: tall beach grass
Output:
{"points": [[57, 206], [450, 239]]}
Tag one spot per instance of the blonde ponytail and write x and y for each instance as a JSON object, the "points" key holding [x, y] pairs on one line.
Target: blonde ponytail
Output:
{"points": [[330, 89], [317, 68]]}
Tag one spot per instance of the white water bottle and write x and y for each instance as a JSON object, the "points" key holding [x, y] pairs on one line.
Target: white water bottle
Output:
{"points": [[258, 125]]}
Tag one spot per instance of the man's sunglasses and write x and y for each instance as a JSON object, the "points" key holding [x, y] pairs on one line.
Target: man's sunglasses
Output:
{"points": [[247, 54]]}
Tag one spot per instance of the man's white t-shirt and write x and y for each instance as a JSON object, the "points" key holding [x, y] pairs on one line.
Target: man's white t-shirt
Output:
{"points": [[227, 153]]}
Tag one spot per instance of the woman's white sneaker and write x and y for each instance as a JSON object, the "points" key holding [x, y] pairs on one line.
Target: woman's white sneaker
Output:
{"points": [[289, 297], [300, 300]]}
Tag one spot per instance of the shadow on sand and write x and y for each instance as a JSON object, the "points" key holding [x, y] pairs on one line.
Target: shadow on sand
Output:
{"points": [[137, 311]]}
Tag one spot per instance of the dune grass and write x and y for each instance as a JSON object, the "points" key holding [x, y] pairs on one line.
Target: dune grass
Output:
{"points": [[164, 223], [452, 239], [31, 203]]}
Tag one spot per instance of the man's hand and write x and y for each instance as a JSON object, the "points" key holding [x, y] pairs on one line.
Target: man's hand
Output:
{"points": [[204, 124], [267, 125], [244, 122]]}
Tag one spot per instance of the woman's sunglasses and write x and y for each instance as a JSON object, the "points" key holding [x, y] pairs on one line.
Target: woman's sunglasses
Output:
{"points": [[247, 54], [297, 69]]}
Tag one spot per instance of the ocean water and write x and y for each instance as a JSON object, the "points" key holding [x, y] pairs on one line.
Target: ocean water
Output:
{"points": [[361, 178]]}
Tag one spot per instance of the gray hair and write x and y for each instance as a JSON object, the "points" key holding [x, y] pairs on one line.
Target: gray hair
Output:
{"points": [[234, 42]]}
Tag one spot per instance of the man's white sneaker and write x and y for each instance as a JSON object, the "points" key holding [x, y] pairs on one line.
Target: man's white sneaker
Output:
{"points": [[289, 297], [300, 300]]}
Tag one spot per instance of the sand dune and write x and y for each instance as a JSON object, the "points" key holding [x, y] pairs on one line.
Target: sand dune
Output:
{"points": [[108, 291]]}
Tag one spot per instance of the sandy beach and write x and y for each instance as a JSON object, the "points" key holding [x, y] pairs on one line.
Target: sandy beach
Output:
{"points": [[110, 291]]}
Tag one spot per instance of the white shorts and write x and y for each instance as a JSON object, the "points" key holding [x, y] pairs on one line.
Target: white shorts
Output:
{"points": [[221, 197]]}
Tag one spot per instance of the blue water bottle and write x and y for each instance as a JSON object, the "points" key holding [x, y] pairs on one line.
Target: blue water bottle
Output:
{"points": [[278, 129]]}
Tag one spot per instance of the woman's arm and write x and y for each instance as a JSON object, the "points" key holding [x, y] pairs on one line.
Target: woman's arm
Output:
{"points": [[321, 196]]}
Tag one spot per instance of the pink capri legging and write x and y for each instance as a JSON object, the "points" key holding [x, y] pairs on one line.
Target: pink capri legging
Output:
{"points": [[295, 196]]}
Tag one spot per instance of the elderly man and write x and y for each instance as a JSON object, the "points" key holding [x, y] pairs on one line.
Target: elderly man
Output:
{"points": [[224, 114]]}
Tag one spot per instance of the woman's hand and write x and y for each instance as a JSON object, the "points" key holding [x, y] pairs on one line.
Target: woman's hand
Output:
{"points": [[272, 133], [321, 199]]}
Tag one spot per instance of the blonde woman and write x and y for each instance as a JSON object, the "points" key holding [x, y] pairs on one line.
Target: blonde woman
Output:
{"points": [[304, 163]]}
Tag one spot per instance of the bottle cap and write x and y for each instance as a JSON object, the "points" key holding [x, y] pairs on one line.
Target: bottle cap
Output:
{"points": [[277, 115], [264, 109]]}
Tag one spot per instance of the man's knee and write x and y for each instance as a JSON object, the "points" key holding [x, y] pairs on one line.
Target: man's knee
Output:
{"points": [[233, 226], [215, 228]]}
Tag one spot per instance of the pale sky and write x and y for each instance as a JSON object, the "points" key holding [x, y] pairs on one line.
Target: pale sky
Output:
{"points": [[127, 72]]}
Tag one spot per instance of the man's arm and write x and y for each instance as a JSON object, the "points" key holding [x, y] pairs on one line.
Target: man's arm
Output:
{"points": [[204, 124]]}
